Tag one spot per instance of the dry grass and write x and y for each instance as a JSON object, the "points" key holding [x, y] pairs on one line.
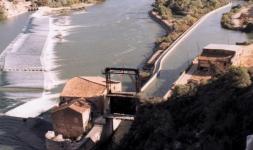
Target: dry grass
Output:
{"points": [[246, 59]]}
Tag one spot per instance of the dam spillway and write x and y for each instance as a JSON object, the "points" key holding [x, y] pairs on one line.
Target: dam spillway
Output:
{"points": [[24, 53], [21, 63]]}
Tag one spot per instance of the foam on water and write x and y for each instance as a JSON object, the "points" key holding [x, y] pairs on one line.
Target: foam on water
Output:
{"points": [[51, 79], [46, 55], [49, 58], [34, 107]]}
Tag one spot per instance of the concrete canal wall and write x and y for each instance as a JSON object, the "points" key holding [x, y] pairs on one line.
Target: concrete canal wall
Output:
{"points": [[160, 61]]}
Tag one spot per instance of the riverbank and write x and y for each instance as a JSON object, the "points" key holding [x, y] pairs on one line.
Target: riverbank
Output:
{"points": [[12, 9], [239, 18], [67, 9]]}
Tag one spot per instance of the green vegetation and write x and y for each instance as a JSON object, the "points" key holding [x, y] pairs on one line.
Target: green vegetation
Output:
{"points": [[60, 3], [240, 77], [182, 14], [226, 20], [164, 12], [245, 19], [2, 13], [184, 90], [217, 116]]}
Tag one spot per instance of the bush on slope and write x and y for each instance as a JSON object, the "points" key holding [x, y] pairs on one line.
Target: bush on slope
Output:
{"points": [[218, 117]]}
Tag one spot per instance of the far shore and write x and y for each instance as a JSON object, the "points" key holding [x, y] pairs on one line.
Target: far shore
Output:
{"points": [[65, 9], [13, 10]]}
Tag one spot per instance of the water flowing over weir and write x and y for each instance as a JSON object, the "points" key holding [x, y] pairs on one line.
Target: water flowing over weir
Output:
{"points": [[22, 77], [113, 33], [24, 53]]}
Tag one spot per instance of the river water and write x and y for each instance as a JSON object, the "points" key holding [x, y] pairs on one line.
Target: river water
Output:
{"points": [[114, 33]]}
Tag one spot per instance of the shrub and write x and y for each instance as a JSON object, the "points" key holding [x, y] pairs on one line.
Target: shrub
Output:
{"points": [[226, 20], [164, 39], [218, 117], [184, 90], [42, 2], [164, 12], [2, 13], [239, 77]]}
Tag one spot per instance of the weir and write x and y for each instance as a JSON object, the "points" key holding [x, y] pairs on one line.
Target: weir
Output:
{"points": [[24, 53]]}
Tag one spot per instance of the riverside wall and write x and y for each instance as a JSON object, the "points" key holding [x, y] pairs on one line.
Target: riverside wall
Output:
{"points": [[161, 59]]}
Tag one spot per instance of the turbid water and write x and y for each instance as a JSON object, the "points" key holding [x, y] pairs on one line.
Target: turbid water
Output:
{"points": [[114, 33]]}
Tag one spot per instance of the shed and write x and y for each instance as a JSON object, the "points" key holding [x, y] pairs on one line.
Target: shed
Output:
{"points": [[219, 57], [71, 119]]}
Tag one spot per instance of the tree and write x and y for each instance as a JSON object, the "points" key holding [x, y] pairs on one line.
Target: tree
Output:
{"points": [[2, 13], [239, 77]]}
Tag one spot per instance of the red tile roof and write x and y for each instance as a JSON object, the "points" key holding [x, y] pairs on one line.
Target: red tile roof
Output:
{"points": [[84, 87]]}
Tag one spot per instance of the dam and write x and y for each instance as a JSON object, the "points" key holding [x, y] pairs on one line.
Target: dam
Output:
{"points": [[24, 53]]}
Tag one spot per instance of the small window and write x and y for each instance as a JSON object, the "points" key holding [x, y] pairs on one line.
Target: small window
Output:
{"points": [[203, 68]]}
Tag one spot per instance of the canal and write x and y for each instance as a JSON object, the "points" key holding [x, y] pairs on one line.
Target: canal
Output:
{"points": [[209, 31]]}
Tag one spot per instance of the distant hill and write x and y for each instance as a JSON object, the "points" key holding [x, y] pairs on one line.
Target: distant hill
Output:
{"points": [[217, 116]]}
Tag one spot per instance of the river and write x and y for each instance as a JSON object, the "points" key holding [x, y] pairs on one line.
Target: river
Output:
{"points": [[113, 33]]}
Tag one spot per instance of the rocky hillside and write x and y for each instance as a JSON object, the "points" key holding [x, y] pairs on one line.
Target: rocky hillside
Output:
{"points": [[215, 116]]}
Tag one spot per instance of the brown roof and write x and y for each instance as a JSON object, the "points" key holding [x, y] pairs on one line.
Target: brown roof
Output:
{"points": [[77, 106], [84, 87]]}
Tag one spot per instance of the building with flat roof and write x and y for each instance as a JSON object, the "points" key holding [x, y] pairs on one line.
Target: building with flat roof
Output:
{"points": [[219, 57]]}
